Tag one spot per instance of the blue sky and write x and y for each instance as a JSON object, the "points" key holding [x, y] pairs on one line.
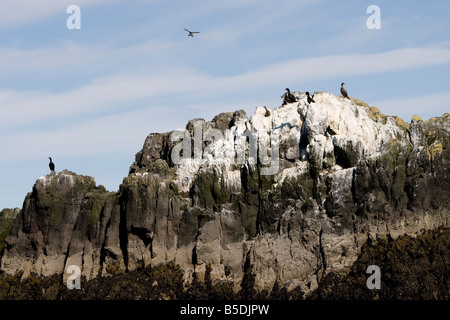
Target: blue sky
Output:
{"points": [[89, 97]]}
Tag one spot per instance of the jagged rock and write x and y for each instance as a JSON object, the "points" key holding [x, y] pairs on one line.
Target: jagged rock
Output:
{"points": [[62, 222], [7, 218], [274, 195]]}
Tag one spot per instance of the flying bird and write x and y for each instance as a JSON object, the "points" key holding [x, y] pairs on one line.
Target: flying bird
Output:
{"points": [[310, 98], [343, 91], [51, 165], [288, 97], [191, 33]]}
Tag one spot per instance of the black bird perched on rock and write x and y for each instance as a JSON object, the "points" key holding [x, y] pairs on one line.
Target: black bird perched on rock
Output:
{"points": [[267, 114], [288, 97], [310, 98], [343, 91], [330, 131], [191, 33], [51, 165]]}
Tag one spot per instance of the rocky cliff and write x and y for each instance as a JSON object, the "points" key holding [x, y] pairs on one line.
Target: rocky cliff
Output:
{"points": [[289, 196]]}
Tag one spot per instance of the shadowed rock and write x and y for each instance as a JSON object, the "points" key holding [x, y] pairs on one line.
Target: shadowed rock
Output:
{"points": [[372, 177]]}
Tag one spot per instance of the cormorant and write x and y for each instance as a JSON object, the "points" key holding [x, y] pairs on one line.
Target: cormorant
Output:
{"points": [[330, 131], [267, 114], [191, 33], [343, 91], [288, 97], [51, 165], [310, 98]]}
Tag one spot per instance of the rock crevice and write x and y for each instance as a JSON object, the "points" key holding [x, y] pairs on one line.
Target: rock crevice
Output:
{"points": [[282, 198]]}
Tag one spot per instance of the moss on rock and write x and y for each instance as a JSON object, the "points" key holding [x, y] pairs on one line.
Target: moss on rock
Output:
{"points": [[375, 114], [416, 118], [210, 189], [7, 218]]}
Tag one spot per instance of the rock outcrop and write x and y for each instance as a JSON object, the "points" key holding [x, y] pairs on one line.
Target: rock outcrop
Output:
{"points": [[62, 222], [288, 195], [7, 218]]}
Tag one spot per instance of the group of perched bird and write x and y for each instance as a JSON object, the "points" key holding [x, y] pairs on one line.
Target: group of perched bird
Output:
{"points": [[288, 97]]}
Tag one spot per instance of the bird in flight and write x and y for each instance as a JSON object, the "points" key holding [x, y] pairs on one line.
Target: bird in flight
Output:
{"points": [[191, 33]]}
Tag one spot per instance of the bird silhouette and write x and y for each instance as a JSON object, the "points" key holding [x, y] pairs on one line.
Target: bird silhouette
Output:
{"points": [[288, 97], [343, 91], [310, 98], [51, 165], [191, 33], [330, 131]]}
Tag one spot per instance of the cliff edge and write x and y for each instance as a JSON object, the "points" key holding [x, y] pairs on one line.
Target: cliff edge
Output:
{"points": [[288, 195]]}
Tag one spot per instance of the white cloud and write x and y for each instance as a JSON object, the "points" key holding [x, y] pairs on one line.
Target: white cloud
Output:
{"points": [[118, 91], [347, 65], [124, 132], [52, 59], [21, 108], [66, 58]]}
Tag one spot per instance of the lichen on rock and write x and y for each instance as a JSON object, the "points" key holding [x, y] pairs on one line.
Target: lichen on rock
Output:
{"points": [[200, 198]]}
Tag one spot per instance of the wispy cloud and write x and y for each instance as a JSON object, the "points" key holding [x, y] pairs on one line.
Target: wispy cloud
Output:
{"points": [[117, 91], [349, 64], [123, 132], [66, 58], [100, 135]]}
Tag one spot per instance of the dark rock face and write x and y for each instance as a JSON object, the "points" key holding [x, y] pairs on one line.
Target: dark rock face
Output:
{"points": [[194, 200], [64, 219], [7, 218], [412, 269]]}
